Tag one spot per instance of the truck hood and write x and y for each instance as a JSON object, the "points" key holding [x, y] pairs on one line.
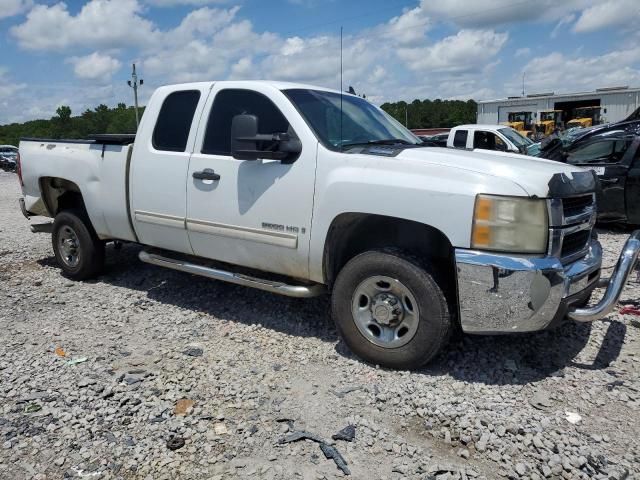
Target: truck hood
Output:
{"points": [[538, 177]]}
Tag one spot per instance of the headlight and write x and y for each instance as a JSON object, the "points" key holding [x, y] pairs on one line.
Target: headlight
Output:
{"points": [[510, 224]]}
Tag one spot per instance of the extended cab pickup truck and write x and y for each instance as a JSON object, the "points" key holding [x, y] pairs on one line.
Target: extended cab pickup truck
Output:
{"points": [[489, 137], [302, 191]]}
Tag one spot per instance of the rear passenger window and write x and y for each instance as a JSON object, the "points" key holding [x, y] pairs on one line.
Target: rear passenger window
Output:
{"points": [[460, 139], [174, 121], [228, 104]]}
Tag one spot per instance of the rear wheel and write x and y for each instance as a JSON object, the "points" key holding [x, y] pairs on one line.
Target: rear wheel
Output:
{"points": [[78, 250], [390, 310]]}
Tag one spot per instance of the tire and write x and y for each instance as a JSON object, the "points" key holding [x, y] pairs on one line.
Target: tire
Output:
{"points": [[78, 250], [405, 334]]}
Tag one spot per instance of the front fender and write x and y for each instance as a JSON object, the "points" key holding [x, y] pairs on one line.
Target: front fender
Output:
{"points": [[441, 197]]}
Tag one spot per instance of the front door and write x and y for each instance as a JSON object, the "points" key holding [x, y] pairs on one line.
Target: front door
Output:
{"points": [[632, 194], [159, 167], [251, 213], [609, 158]]}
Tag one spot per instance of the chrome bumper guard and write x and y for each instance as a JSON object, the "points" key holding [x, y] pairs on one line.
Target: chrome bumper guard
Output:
{"points": [[503, 294], [626, 263]]}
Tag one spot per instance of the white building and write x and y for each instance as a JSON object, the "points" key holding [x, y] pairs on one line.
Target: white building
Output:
{"points": [[616, 104]]}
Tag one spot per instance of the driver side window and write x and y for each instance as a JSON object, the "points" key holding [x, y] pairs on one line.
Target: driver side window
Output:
{"points": [[232, 102], [603, 151]]}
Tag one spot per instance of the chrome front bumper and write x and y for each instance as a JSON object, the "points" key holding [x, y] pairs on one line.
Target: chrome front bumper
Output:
{"points": [[502, 294]]}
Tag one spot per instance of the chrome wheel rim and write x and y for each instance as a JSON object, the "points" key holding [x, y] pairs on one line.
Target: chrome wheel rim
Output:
{"points": [[69, 246], [385, 311]]}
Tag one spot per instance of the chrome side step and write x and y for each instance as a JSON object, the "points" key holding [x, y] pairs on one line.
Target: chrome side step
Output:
{"points": [[299, 291], [42, 227]]}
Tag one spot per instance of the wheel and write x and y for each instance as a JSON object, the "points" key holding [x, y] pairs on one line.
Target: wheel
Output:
{"points": [[389, 310], [78, 250]]}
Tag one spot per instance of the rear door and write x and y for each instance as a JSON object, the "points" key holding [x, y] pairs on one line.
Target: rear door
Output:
{"points": [[610, 158], [460, 137], [159, 166], [254, 213]]}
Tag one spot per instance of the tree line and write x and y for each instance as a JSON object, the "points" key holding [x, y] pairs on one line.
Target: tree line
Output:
{"points": [[102, 119], [433, 113], [121, 119]]}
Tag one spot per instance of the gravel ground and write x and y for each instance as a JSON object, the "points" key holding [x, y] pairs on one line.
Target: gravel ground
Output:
{"points": [[99, 379]]}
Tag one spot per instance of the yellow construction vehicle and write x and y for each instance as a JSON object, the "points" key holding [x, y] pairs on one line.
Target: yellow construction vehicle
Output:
{"points": [[549, 120], [520, 121], [585, 117]]}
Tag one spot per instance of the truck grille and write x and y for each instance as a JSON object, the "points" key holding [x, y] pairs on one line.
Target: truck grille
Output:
{"points": [[571, 224], [574, 243], [576, 206]]}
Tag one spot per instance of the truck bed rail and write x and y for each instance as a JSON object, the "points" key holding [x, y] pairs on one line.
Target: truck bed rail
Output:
{"points": [[102, 138]]}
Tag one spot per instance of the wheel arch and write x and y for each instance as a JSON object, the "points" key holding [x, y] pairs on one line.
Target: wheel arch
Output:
{"points": [[353, 233], [59, 194]]}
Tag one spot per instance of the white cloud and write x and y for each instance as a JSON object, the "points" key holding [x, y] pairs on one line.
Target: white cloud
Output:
{"points": [[522, 52], [174, 3], [566, 20], [99, 24], [466, 51], [609, 13], [485, 13], [8, 88], [10, 8], [560, 73], [408, 28], [96, 66]]}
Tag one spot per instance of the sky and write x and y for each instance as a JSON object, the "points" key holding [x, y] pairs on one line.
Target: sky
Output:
{"points": [[80, 54]]}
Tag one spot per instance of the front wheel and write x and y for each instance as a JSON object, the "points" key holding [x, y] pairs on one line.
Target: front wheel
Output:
{"points": [[389, 310], [78, 250]]}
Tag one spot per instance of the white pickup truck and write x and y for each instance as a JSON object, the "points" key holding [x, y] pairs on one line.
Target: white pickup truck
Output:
{"points": [[498, 138], [303, 191]]}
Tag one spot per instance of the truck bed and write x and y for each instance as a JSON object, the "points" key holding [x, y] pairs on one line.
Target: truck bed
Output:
{"points": [[98, 166]]}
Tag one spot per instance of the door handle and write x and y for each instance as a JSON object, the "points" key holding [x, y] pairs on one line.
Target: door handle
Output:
{"points": [[609, 180], [206, 175]]}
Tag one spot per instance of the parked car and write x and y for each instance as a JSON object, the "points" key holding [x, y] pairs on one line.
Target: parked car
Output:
{"points": [[613, 153], [488, 137], [8, 157], [301, 190]]}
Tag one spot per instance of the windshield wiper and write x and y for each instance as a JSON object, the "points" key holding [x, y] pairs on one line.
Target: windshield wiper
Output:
{"points": [[386, 141]]}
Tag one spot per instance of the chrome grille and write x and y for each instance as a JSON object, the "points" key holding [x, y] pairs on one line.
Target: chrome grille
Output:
{"points": [[571, 221]]}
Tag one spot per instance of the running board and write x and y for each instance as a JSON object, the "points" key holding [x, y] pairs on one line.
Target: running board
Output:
{"points": [[42, 227], [299, 291]]}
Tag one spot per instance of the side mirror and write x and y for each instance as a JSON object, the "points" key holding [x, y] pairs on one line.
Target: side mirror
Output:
{"points": [[244, 129], [248, 144]]}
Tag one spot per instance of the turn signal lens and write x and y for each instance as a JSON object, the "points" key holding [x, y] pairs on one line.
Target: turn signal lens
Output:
{"points": [[510, 224]]}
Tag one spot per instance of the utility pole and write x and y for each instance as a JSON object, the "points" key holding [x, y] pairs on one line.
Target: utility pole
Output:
{"points": [[523, 83], [133, 83], [406, 115]]}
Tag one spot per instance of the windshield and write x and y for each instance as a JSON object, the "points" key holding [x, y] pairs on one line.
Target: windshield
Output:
{"points": [[360, 122], [518, 117], [517, 139]]}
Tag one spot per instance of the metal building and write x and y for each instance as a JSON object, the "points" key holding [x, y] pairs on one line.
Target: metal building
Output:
{"points": [[616, 103]]}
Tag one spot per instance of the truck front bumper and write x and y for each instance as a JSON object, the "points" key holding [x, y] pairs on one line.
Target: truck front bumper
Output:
{"points": [[503, 294]]}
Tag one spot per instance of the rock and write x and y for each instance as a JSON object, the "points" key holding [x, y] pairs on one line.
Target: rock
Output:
{"points": [[521, 469], [464, 453], [573, 418], [193, 351], [540, 400]]}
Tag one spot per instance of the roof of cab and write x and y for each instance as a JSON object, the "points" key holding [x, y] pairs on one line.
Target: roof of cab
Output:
{"points": [[248, 83], [480, 126]]}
